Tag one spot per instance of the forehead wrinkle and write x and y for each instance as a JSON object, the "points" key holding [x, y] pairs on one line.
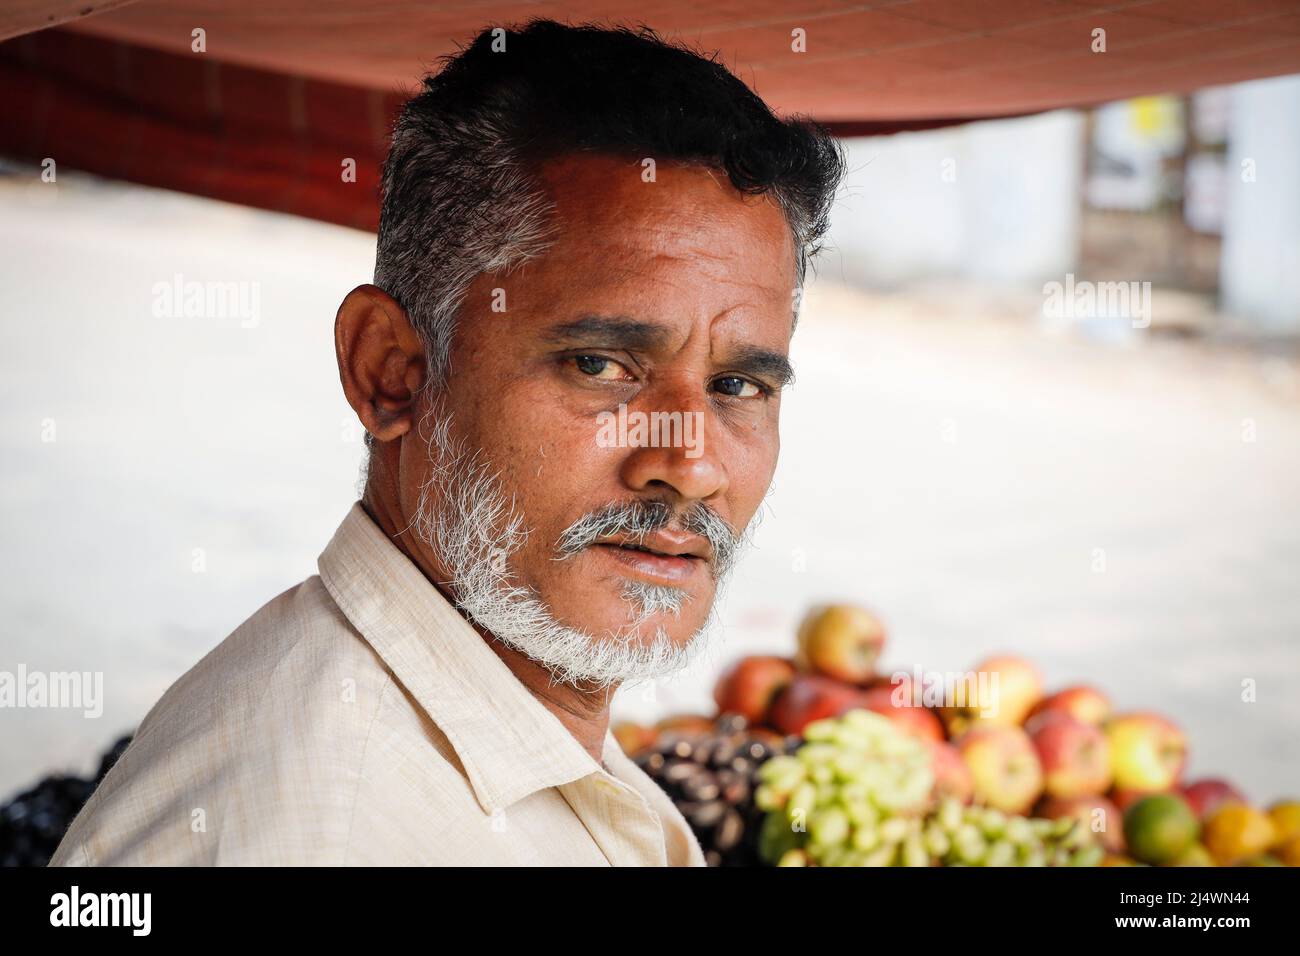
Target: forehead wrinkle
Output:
{"points": [[742, 347]]}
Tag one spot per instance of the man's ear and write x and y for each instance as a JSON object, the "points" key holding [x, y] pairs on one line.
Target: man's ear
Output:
{"points": [[381, 361]]}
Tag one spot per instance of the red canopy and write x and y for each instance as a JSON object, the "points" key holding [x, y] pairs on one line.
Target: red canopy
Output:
{"points": [[288, 89]]}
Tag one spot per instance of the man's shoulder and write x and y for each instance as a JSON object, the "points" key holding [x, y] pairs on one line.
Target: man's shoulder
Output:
{"points": [[297, 656], [253, 755]]}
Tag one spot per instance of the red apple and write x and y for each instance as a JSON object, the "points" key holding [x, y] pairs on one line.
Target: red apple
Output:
{"points": [[1074, 755], [999, 693], [1147, 752], [1086, 704], [1098, 814], [952, 778], [1004, 766], [840, 641], [917, 721], [749, 686], [811, 697], [1204, 796]]}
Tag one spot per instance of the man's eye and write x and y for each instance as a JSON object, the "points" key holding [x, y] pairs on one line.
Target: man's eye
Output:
{"points": [[597, 366], [736, 386]]}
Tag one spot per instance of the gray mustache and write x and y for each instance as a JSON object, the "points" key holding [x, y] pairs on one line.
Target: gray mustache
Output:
{"points": [[637, 519]]}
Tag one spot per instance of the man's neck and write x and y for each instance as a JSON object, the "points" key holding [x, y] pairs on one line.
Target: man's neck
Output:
{"points": [[584, 711]]}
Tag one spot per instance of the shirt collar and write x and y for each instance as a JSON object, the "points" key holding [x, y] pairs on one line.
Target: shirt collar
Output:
{"points": [[509, 744]]}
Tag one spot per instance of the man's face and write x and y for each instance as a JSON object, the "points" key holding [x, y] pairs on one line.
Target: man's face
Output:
{"points": [[673, 296]]}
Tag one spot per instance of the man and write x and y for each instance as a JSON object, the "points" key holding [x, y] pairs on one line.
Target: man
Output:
{"points": [[569, 369]]}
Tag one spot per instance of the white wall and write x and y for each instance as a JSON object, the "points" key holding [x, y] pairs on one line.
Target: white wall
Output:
{"points": [[996, 200]]}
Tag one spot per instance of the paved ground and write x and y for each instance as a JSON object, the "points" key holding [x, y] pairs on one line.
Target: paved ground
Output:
{"points": [[944, 461]]}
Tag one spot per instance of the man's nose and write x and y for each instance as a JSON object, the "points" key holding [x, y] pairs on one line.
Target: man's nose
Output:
{"points": [[679, 452]]}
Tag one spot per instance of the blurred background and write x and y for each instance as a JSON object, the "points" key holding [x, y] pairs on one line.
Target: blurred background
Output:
{"points": [[1110, 493]]}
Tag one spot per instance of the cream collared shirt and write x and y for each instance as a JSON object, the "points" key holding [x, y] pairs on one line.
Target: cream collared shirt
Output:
{"points": [[358, 719]]}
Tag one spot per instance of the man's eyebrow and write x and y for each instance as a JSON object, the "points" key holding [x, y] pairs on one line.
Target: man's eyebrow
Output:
{"points": [[610, 331], [762, 363], [618, 331]]}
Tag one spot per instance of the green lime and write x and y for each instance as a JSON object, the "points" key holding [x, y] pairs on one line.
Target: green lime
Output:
{"points": [[1159, 828]]}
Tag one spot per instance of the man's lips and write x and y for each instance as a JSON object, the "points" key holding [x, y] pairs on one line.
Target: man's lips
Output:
{"points": [[662, 557], [665, 542]]}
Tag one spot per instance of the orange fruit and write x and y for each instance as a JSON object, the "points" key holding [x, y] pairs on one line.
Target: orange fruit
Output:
{"points": [[1289, 852], [1236, 831], [1285, 815]]}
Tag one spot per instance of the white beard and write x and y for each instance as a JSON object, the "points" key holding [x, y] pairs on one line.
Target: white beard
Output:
{"points": [[463, 515]]}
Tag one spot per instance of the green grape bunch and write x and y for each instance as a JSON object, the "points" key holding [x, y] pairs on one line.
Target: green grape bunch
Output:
{"points": [[861, 792]]}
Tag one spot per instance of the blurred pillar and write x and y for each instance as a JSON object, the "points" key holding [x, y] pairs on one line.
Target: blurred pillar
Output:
{"points": [[1260, 263], [1021, 204]]}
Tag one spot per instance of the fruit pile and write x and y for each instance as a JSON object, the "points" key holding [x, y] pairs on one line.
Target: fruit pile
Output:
{"points": [[861, 792], [994, 742]]}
